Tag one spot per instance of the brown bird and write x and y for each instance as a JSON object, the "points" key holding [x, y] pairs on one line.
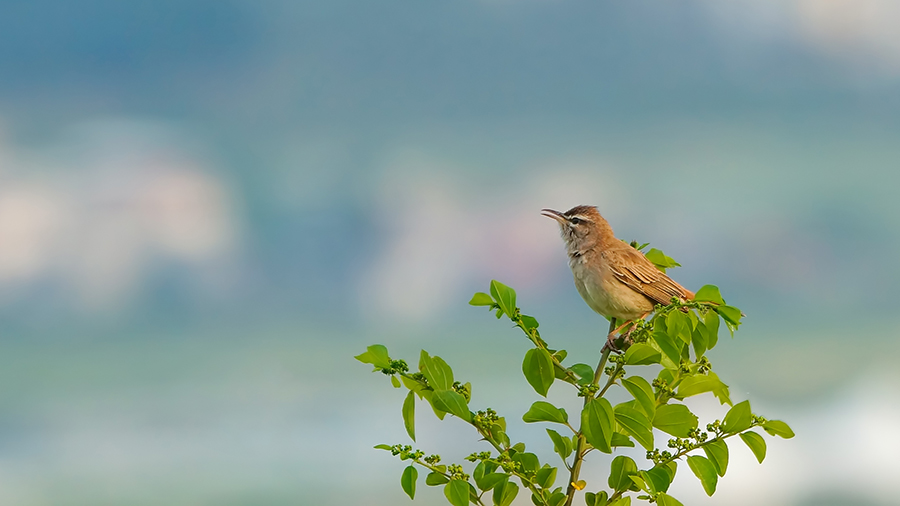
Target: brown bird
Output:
{"points": [[615, 279]]}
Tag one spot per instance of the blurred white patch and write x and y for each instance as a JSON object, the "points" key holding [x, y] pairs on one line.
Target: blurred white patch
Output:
{"points": [[98, 211], [186, 213], [854, 29], [449, 229], [862, 34], [30, 218]]}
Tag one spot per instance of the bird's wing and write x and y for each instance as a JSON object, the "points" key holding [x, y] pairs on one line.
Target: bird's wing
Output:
{"points": [[632, 268]]}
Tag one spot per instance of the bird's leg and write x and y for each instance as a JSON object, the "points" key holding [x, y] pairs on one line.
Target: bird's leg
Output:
{"points": [[611, 337], [609, 344], [626, 337], [634, 324]]}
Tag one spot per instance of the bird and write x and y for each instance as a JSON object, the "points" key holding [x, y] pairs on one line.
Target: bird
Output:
{"points": [[614, 279]]}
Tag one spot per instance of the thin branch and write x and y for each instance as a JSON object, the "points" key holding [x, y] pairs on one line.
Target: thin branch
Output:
{"points": [[612, 380], [538, 342], [580, 451], [719, 437]]}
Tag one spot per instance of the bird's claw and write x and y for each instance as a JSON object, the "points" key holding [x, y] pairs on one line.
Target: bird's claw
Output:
{"points": [[625, 341]]}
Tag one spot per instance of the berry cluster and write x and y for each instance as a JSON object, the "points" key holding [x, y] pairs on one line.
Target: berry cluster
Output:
{"points": [[406, 452], [464, 390], [588, 390], [483, 420]]}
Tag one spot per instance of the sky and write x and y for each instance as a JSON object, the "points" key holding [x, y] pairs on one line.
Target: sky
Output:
{"points": [[207, 208]]}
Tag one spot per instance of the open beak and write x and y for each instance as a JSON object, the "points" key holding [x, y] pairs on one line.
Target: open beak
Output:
{"points": [[556, 215]]}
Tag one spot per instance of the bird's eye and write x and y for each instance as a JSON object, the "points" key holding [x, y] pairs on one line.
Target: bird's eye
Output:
{"points": [[575, 221]]}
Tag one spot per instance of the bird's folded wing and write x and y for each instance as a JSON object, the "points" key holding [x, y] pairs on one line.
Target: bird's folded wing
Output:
{"points": [[632, 268]]}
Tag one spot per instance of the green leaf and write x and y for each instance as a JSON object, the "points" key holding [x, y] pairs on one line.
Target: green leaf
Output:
{"points": [[618, 439], [481, 299], [705, 471], [717, 453], [529, 461], [698, 384], [434, 478], [641, 354], [428, 395], [620, 470], [453, 403], [545, 412], [670, 347], [639, 482], [732, 315], [436, 371], [505, 297], [642, 392], [660, 260], [408, 481], [756, 443], [657, 479], [546, 476], [636, 424], [376, 355], [491, 480], [557, 498], [711, 324], [383, 447], [721, 393], [498, 433], [413, 385], [738, 418], [480, 470], [663, 499], [485, 478], [667, 375], [409, 415], [678, 326], [671, 469], [504, 495], [585, 373], [561, 445], [699, 340], [457, 492], [622, 501], [598, 499], [529, 322], [709, 293], [675, 419], [778, 428], [597, 424], [538, 370]]}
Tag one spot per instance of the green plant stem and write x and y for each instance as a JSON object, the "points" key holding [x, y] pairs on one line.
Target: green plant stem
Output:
{"points": [[615, 496], [719, 437], [580, 447], [604, 356], [539, 343], [612, 379]]}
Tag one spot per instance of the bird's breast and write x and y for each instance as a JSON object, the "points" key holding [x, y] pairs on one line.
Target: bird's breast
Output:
{"points": [[604, 293]]}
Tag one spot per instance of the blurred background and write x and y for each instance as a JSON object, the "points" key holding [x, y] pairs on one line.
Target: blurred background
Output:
{"points": [[207, 208]]}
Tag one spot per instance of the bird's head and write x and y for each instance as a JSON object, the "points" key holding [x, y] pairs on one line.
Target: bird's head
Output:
{"points": [[580, 226]]}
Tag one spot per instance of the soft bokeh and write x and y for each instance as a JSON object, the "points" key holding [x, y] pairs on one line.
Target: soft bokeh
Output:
{"points": [[207, 208]]}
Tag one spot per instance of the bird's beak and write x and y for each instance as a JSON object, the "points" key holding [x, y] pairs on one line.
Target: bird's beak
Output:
{"points": [[556, 215]]}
